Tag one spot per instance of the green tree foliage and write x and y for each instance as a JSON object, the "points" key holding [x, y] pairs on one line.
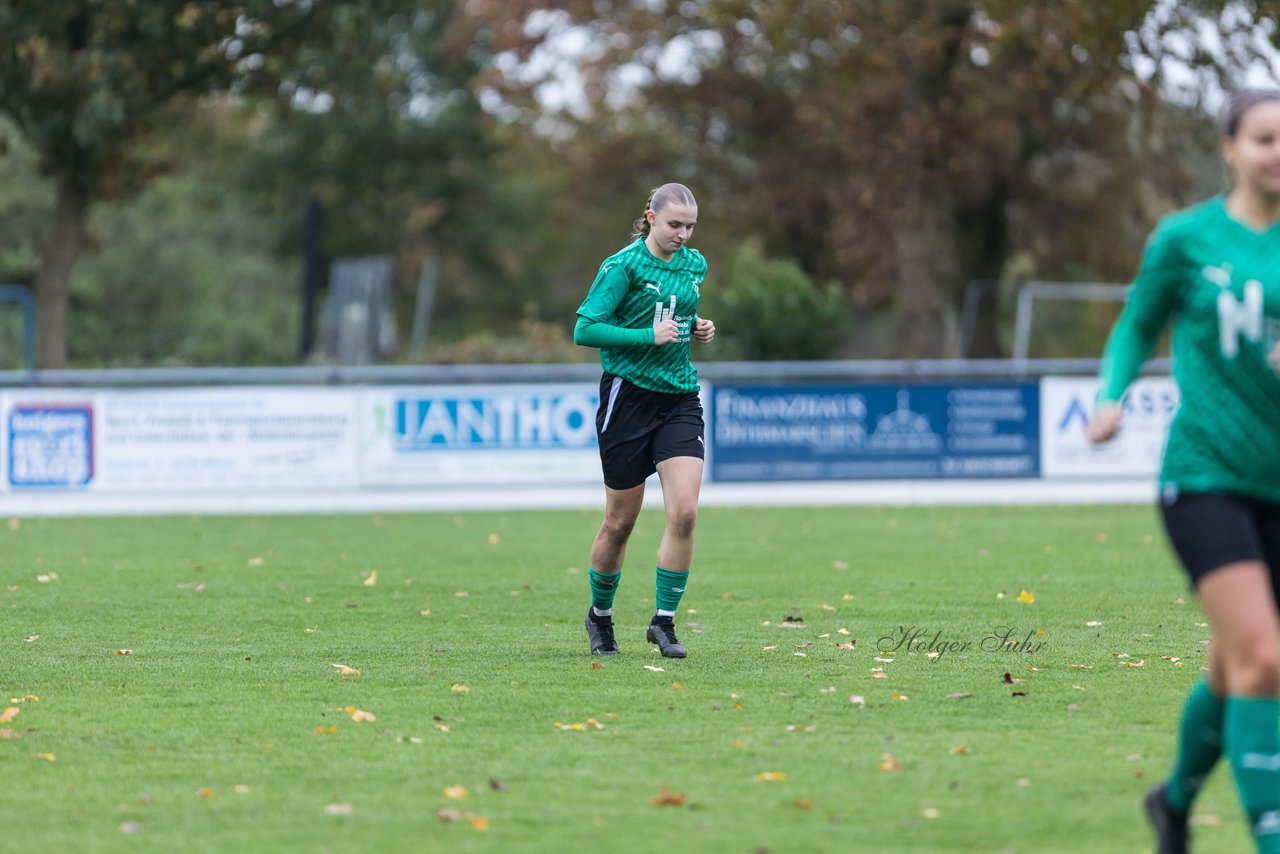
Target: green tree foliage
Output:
{"points": [[771, 309], [85, 82]]}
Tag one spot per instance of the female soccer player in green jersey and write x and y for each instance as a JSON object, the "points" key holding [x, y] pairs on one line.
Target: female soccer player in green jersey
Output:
{"points": [[641, 312], [1215, 269]]}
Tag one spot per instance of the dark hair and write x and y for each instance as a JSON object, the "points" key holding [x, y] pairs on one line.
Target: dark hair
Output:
{"points": [[659, 198], [1241, 103]]}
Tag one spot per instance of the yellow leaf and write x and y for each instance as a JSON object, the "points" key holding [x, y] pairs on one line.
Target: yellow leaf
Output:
{"points": [[339, 809], [877, 673], [359, 715], [326, 730], [8, 735], [124, 652], [676, 686], [898, 697], [455, 793], [889, 762], [426, 612], [858, 700], [347, 671], [654, 669], [31, 639], [459, 688], [771, 776], [9, 714], [930, 812], [1094, 624], [442, 727], [255, 561], [241, 789], [479, 823], [803, 804], [1026, 597], [372, 579], [44, 757], [494, 539], [959, 750], [204, 792]]}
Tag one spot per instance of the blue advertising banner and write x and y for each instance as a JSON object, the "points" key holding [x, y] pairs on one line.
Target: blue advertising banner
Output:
{"points": [[50, 445], [889, 431]]}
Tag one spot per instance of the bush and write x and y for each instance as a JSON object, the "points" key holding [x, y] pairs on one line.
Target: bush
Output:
{"points": [[771, 309]]}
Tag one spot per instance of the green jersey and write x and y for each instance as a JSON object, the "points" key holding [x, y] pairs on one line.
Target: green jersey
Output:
{"points": [[1220, 280], [633, 291]]}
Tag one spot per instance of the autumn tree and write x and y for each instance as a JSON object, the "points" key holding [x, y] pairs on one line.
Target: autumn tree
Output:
{"points": [[903, 147]]}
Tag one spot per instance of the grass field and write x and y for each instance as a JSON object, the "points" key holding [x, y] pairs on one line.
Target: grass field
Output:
{"points": [[228, 727]]}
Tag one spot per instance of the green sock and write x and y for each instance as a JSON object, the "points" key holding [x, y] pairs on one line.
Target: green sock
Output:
{"points": [[670, 587], [1251, 740], [603, 587], [1199, 746]]}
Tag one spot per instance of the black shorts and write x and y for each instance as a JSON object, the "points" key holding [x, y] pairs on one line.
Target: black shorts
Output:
{"points": [[639, 428], [1212, 529]]}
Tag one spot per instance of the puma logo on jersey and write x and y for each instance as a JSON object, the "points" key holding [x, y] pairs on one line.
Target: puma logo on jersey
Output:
{"points": [[1220, 276], [657, 290]]}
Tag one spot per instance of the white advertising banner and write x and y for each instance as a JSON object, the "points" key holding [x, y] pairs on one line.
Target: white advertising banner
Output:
{"points": [[479, 434], [1065, 406], [180, 439]]}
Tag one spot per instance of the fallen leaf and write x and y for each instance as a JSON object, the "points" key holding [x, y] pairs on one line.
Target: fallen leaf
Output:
{"points": [[958, 695], [478, 823], [426, 612], [442, 727], [124, 652], [45, 757], [9, 714], [597, 664], [462, 594], [494, 539], [31, 639], [877, 673], [455, 793], [347, 671], [241, 789], [359, 715], [799, 654], [1080, 666], [668, 798], [771, 776], [129, 828], [825, 607], [1137, 663], [339, 809], [15, 524], [889, 762], [802, 804], [842, 631], [204, 792], [654, 669], [8, 735], [1093, 624], [255, 561], [898, 697], [959, 750], [930, 812], [676, 686], [496, 786], [450, 814], [768, 648], [459, 688], [326, 730], [1026, 597], [372, 579], [858, 700]]}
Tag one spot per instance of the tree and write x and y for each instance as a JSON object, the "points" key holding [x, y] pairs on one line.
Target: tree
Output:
{"points": [[85, 82], [906, 147]]}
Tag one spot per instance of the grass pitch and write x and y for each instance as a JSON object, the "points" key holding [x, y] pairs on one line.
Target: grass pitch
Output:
{"points": [[192, 694]]}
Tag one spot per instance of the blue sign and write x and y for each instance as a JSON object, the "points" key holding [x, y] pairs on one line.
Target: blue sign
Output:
{"points": [[770, 433], [50, 445], [497, 421]]}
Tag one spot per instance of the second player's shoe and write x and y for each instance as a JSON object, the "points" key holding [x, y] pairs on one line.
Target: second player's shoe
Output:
{"points": [[600, 633], [662, 631], [1169, 824]]}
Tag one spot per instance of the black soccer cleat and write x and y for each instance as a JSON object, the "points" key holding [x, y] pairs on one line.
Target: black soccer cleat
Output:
{"points": [[1169, 824], [662, 631], [600, 633]]}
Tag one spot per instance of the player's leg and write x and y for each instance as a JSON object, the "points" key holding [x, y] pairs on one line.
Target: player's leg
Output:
{"points": [[678, 451], [1207, 531], [609, 549], [1240, 603]]}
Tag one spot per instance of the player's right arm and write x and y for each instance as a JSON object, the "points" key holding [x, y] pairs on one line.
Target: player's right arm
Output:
{"points": [[1148, 307], [597, 326]]}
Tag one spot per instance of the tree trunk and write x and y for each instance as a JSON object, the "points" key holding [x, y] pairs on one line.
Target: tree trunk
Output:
{"points": [[924, 246], [53, 273]]}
